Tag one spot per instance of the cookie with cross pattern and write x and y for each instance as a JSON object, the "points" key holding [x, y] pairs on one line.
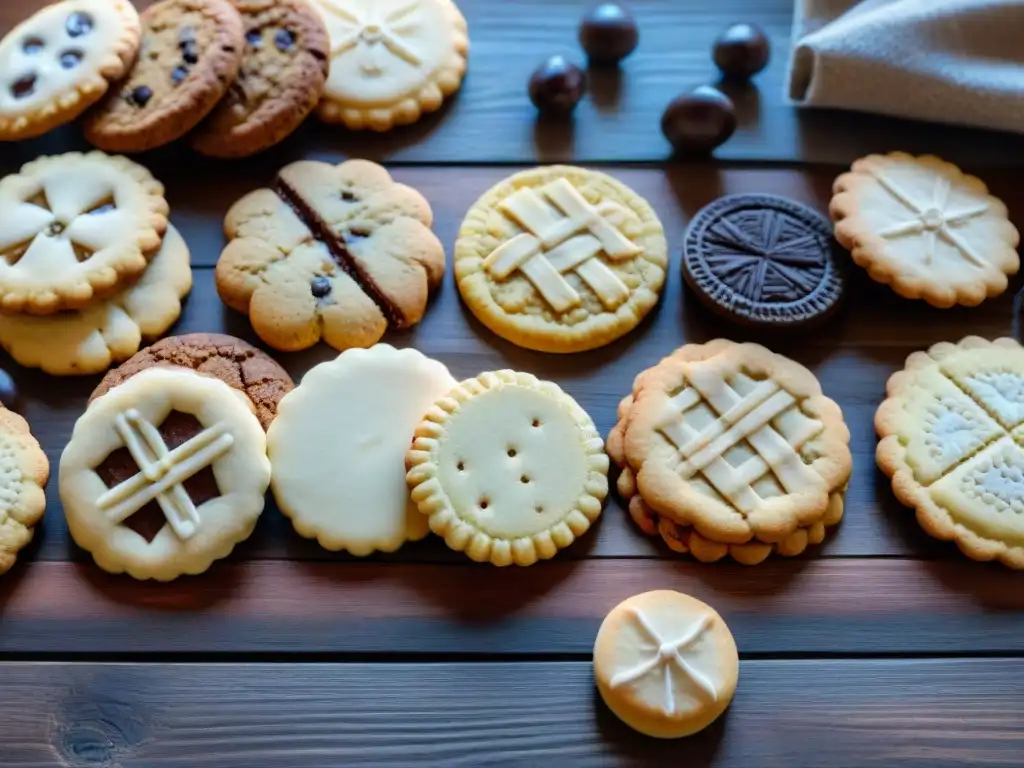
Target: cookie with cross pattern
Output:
{"points": [[508, 468], [763, 260], [925, 228], [666, 664], [738, 442], [191, 53], [391, 60], [339, 253], [283, 74], [164, 474], [62, 60], [561, 259], [76, 227]]}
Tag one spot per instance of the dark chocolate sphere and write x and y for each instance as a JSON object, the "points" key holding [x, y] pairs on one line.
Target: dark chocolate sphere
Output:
{"points": [[608, 33], [699, 121], [557, 86], [8, 390], [742, 51]]}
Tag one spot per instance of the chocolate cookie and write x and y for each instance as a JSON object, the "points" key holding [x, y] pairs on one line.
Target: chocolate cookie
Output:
{"points": [[191, 52], [763, 260], [233, 361], [283, 74]]}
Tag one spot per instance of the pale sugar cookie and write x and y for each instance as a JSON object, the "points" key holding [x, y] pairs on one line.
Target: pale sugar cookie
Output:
{"points": [[509, 469], [24, 470]]}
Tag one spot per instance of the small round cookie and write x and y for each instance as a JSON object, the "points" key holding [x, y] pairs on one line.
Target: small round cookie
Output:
{"points": [[75, 227], [952, 439], [922, 226], [340, 253], [283, 74], [89, 340], [171, 443], [235, 362], [60, 61], [338, 448], [391, 60], [763, 260], [561, 259], [666, 664], [191, 52], [24, 470], [509, 469]]}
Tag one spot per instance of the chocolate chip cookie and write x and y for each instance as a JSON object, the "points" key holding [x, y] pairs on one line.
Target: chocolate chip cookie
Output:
{"points": [[233, 361], [191, 52], [283, 73]]}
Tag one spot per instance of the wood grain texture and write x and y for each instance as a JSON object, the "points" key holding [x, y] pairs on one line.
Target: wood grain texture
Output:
{"points": [[492, 120], [786, 714], [829, 607]]}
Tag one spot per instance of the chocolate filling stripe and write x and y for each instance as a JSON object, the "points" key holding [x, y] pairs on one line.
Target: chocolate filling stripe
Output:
{"points": [[336, 246]]}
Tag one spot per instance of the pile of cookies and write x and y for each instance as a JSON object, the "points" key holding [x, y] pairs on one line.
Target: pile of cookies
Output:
{"points": [[90, 266], [731, 449], [233, 76]]}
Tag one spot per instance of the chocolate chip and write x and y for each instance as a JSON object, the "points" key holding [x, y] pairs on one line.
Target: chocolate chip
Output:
{"points": [[320, 287], [191, 56], [78, 24], [254, 37], [284, 40], [33, 45], [55, 228], [348, 197], [178, 74], [24, 86], [356, 233], [71, 59], [140, 96]]}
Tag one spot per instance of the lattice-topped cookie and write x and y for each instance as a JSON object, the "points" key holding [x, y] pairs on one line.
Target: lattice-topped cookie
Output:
{"points": [[173, 445], [738, 442], [952, 433], [561, 259]]}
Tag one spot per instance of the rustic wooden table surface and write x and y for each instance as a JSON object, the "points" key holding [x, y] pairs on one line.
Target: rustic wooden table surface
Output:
{"points": [[882, 647]]}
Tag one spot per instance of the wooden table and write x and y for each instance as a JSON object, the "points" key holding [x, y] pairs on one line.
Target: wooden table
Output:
{"points": [[882, 647]]}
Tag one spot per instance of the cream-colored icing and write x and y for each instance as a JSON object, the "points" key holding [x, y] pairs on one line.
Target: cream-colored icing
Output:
{"points": [[338, 447], [564, 233]]}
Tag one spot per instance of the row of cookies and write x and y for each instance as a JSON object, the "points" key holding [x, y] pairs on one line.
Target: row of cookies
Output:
{"points": [[235, 76]]}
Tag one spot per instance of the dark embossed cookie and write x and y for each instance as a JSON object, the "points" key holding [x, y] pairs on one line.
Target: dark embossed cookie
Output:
{"points": [[191, 52], [763, 260], [283, 74], [233, 361]]}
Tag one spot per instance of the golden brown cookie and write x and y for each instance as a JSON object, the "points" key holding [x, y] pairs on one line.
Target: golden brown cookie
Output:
{"points": [[561, 259], [922, 226], [952, 440], [24, 470], [60, 61], [282, 77], [235, 362], [340, 253], [191, 52]]}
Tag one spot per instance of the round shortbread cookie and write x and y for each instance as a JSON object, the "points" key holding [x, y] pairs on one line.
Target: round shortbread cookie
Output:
{"points": [[60, 61], [24, 470], [922, 226], [666, 664], [191, 52], [338, 448], [75, 227], [167, 441], [391, 60], [952, 440], [90, 340], [509, 469], [561, 259]]}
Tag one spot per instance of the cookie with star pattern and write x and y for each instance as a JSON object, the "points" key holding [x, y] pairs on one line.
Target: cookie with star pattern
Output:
{"points": [[762, 260], [925, 228]]}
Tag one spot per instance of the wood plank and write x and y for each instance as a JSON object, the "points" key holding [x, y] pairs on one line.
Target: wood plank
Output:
{"points": [[492, 119], [786, 714], [853, 356], [829, 607]]}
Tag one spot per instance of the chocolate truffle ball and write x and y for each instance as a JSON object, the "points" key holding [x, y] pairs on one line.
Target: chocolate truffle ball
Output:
{"points": [[8, 390], [699, 121], [742, 51], [557, 86], [608, 33]]}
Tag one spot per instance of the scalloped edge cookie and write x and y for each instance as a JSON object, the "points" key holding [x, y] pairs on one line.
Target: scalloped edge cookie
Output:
{"points": [[19, 447], [463, 535]]}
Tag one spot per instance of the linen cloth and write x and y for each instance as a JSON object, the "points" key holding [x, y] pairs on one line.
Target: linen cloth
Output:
{"points": [[948, 61]]}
